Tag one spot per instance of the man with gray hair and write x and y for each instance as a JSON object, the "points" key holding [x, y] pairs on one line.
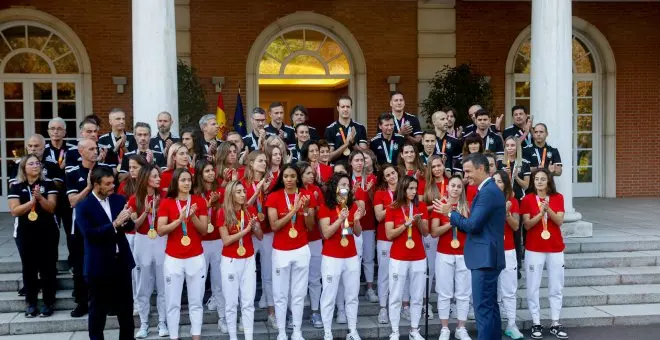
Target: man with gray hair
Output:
{"points": [[209, 126], [118, 142]]}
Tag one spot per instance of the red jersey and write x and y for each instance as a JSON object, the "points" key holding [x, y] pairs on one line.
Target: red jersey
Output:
{"points": [[316, 195], [259, 203], [471, 192], [211, 213], [444, 241], [275, 175], [399, 251], [332, 246], [383, 197], [509, 243], [122, 191], [368, 222], [323, 172], [282, 241], [144, 227], [166, 178], [168, 208], [534, 241], [232, 249]]}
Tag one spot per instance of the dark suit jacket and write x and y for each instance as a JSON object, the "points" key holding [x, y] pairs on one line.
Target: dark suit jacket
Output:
{"points": [[101, 240], [484, 246]]}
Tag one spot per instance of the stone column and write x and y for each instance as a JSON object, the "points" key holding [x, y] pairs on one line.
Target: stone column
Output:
{"points": [[552, 94], [154, 62]]}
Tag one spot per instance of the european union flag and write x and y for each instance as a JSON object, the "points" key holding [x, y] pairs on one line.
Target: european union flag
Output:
{"points": [[239, 117]]}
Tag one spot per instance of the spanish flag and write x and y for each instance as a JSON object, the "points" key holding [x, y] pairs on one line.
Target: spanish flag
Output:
{"points": [[221, 118]]}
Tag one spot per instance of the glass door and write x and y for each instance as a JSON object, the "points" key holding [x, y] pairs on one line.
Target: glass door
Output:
{"points": [[586, 138]]}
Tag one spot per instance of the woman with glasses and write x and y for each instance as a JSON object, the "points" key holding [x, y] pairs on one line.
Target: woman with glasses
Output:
{"points": [[32, 201]]}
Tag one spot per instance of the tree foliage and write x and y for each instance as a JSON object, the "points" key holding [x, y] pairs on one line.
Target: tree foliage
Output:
{"points": [[192, 100], [459, 87]]}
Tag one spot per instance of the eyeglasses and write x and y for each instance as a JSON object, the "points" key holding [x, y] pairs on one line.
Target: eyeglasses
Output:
{"points": [[35, 163]]}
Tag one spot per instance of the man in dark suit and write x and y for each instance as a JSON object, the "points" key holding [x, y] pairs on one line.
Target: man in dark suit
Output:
{"points": [[484, 247], [102, 218]]}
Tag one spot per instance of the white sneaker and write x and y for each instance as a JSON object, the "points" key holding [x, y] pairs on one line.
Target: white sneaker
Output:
{"points": [[281, 336], [414, 335], [353, 335], [341, 317], [271, 322], [405, 313], [162, 330], [513, 333], [327, 336], [262, 301], [297, 336], [394, 336], [371, 296], [445, 334], [429, 308], [211, 304], [222, 326], [461, 334], [143, 332], [383, 319]]}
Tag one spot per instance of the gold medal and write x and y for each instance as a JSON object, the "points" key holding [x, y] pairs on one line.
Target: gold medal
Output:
{"points": [[152, 233], [410, 244], [455, 243], [261, 217], [118, 167], [293, 233], [347, 152], [32, 216], [545, 235], [344, 242], [241, 250], [185, 241], [209, 228]]}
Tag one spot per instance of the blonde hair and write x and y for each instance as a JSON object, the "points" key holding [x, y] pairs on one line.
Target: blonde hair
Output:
{"points": [[21, 176], [228, 205], [171, 153], [462, 207], [431, 191]]}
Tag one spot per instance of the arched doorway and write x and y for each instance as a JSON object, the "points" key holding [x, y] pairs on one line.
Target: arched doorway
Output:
{"points": [[42, 75], [593, 171], [310, 59]]}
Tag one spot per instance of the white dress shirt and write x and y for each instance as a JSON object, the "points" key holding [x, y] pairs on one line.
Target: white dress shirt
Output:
{"points": [[105, 204]]}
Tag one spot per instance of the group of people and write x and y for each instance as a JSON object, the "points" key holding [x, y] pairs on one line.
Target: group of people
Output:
{"points": [[317, 212]]}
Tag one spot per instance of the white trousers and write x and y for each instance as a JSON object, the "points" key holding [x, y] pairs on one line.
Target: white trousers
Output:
{"points": [[213, 258], [507, 285], [134, 273], [383, 251], [368, 254], [314, 279], [266, 260], [347, 272], [431, 248], [453, 280], [149, 259], [554, 263], [239, 279], [399, 272], [193, 272], [340, 292], [290, 266]]}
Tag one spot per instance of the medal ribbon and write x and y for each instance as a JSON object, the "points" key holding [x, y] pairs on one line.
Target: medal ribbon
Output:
{"points": [[442, 187], [343, 136], [388, 153], [545, 215], [240, 225], [151, 214], [259, 197], [454, 232], [408, 218], [391, 195], [290, 206], [209, 203], [61, 158], [362, 178], [396, 121], [34, 207], [184, 228]]}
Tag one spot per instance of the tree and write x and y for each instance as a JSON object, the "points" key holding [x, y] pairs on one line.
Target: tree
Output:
{"points": [[192, 100], [459, 87]]}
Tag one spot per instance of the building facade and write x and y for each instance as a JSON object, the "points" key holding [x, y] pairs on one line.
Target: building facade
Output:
{"points": [[70, 59]]}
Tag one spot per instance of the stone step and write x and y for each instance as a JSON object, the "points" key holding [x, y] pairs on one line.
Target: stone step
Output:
{"points": [[604, 276], [12, 325], [573, 297], [612, 259], [600, 244]]}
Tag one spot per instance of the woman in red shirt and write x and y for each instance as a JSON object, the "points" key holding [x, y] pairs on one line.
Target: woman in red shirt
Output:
{"points": [[508, 279], [409, 162], [206, 186], [543, 214], [315, 244], [256, 184], [406, 222], [177, 158], [149, 249], [383, 197], [290, 215], [453, 278], [226, 163], [274, 156], [310, 153], [238, 222], [183, 218], [340, 221]]}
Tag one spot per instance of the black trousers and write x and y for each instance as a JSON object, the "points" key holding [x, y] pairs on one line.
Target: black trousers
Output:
{"points": [[113, 291], [38, 252], [64, 215], [76, 258]]}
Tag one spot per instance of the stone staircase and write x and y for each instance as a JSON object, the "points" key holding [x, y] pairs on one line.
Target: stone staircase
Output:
{"points": [[609, 281]]}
